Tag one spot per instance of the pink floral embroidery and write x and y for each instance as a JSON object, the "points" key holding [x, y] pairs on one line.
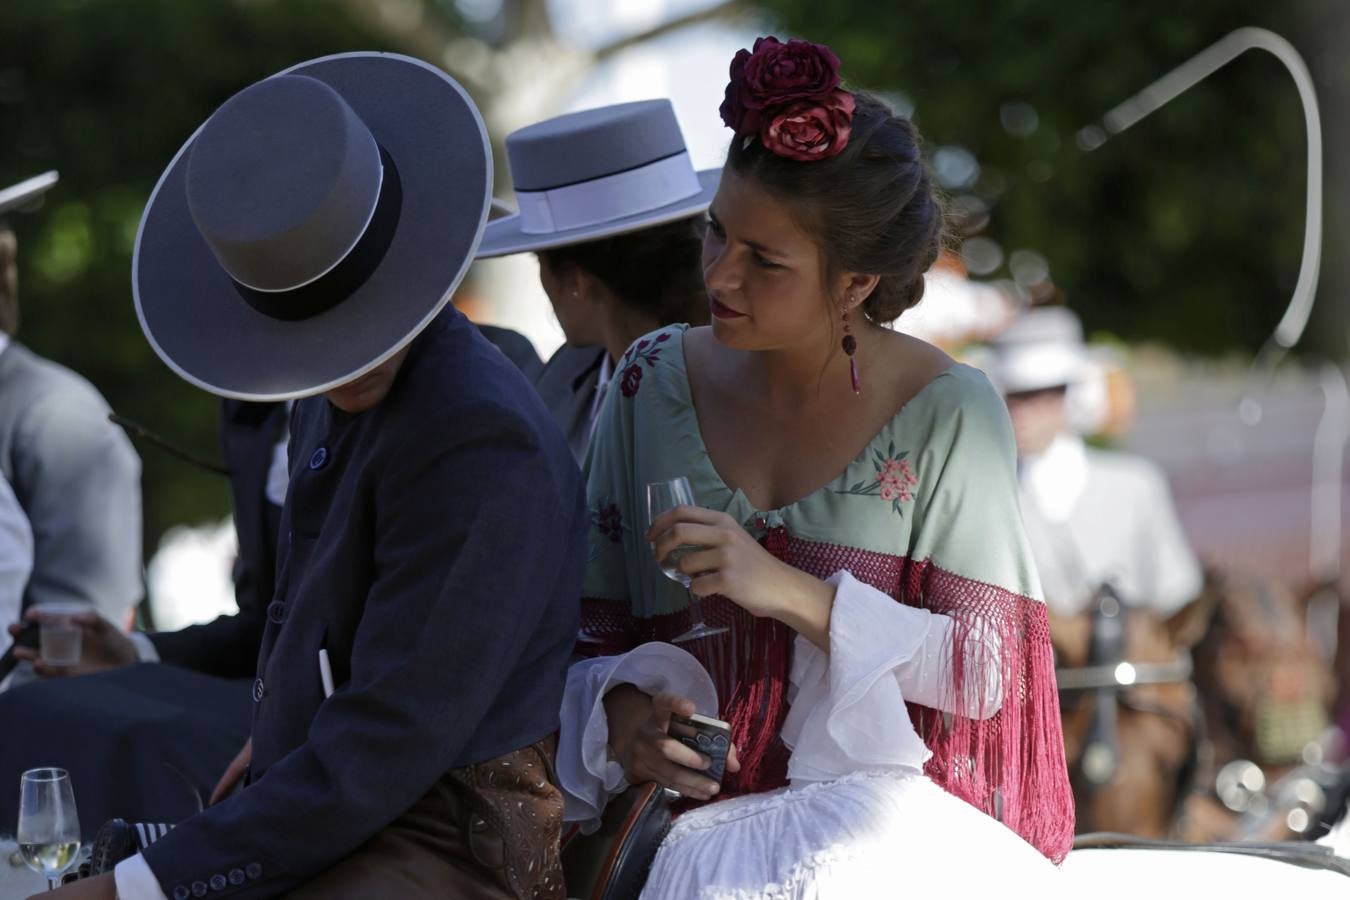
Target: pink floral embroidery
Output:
{"points": [[632, 380], [647, 350], [608, 520], [894, 481]]}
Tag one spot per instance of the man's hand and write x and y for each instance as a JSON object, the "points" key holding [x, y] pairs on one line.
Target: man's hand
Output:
{"points": [[103, 646], [233, 772], [100, 887]]}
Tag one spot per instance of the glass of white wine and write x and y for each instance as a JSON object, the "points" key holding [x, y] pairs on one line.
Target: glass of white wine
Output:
{"points": [[663, 496], [49, 827]]}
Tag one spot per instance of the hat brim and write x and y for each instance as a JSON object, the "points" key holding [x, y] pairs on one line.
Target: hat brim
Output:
{"points": [[19, 195], [194, 314], [503, 237]]}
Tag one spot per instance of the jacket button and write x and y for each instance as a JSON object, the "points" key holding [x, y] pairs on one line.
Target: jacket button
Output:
{"points": [[236, 877], [258, 690], [276, 611], [181, 892], [218, 882], [199, 888], [319, 458], [253, 871]]}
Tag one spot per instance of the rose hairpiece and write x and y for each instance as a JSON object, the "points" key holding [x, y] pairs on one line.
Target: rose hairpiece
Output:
{"points": [[788, 96]]}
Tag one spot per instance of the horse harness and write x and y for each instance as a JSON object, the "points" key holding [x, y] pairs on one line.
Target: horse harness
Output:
{"points": [[1112, 678]]}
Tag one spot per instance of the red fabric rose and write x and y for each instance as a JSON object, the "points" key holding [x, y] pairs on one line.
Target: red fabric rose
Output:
{"points": [[811, 129], [632, 377], [776, 72], [735, 114]]}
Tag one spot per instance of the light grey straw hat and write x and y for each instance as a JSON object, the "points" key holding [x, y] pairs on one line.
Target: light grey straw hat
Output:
{"points": [[595, 174], [17, 196]]}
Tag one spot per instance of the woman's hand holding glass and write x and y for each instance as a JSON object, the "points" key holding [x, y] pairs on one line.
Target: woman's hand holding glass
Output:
{"points": [[733, 564], [639, 739]]}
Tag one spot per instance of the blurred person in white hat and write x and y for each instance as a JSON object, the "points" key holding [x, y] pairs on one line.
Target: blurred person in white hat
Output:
{"points": [[1093, 516], [75, 476]]}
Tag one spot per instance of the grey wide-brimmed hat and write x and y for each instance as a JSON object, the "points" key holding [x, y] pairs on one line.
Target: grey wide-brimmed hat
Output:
{"points": [[595, 174], [17, 196], [312, 226], [1042, 348]]}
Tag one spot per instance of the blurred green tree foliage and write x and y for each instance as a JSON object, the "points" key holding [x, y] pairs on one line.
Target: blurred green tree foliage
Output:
{"points": [[106, 91], [1187, 228]]}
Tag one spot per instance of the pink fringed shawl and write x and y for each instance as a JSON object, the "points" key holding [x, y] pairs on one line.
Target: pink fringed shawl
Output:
{"points": [[1010, 766]]}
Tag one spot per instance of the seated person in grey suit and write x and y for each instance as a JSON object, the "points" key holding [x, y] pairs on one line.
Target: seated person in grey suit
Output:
{"points": [[433, 533], [16, 558], [632, 268], [73, 472]]}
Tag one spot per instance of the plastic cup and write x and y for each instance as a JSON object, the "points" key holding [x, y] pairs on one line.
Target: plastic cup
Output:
{"points": [[59, 638]]}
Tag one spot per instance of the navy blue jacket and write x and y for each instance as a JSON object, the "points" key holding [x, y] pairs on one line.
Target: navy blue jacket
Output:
{"points": [[434, 545]]}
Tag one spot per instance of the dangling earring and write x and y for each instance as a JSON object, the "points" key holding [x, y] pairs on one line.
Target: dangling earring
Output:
{"points": [[850, 344]]}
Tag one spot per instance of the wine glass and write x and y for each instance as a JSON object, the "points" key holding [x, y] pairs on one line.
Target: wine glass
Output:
{"points": [[49, 827], [663, 496]]}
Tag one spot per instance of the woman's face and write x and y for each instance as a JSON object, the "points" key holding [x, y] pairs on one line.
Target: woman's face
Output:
{"points": [[763, 273]]}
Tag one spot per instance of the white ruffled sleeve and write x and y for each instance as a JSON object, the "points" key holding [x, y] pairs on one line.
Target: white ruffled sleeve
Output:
{"points": [[848, 707], [587, 774]]}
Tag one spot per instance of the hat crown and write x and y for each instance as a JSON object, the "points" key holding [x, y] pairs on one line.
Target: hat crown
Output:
{"points": [[593, 144], [1042, 348], [1043, 325], [281, 182]]}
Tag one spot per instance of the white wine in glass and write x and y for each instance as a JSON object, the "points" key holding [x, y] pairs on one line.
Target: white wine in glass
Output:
{"points": [[663, 496], [49, 827]]}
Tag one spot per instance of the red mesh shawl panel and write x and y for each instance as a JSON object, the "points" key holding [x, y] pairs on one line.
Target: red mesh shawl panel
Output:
{"points": [[1010, 765]]}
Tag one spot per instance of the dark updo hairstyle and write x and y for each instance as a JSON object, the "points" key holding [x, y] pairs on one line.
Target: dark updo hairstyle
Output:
{"points": [[872, 208], [656, 271]]}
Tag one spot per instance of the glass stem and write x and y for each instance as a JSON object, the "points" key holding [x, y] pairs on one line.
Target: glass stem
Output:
{"points": [[695, 608]]}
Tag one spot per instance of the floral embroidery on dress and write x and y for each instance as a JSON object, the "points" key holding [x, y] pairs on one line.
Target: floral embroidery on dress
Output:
{"points": [[646, 350], [894, 481], [608, 520]]}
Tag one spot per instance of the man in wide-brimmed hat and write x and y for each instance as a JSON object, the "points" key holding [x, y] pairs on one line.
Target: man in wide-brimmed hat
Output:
{"points": [[74, 473], [304, 244], [1092, 516]]}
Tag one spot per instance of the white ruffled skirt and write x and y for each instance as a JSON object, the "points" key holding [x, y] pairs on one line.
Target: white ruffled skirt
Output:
{"points": [[882, 834]]}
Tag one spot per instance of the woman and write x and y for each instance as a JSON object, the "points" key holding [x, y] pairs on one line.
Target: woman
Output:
{"points": [[840, 467], [618, 243]]}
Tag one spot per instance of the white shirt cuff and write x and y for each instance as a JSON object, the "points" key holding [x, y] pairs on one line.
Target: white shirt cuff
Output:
{"points": [[135, 881], [145, 648]]}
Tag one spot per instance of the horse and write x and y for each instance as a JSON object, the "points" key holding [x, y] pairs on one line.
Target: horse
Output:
{"points": [[1131, 715], [1184, 726], [1269, 694]]}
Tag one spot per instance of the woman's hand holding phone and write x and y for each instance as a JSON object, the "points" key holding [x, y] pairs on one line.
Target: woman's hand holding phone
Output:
{"points": [[640, 739]]}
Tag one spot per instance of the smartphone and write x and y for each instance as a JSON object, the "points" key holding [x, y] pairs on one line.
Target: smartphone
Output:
{"points": [[711, 737]]}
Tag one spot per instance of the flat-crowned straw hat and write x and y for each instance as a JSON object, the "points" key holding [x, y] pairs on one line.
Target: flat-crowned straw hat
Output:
{"points": [[595, 174], [1042, 348], [312, 226]]}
